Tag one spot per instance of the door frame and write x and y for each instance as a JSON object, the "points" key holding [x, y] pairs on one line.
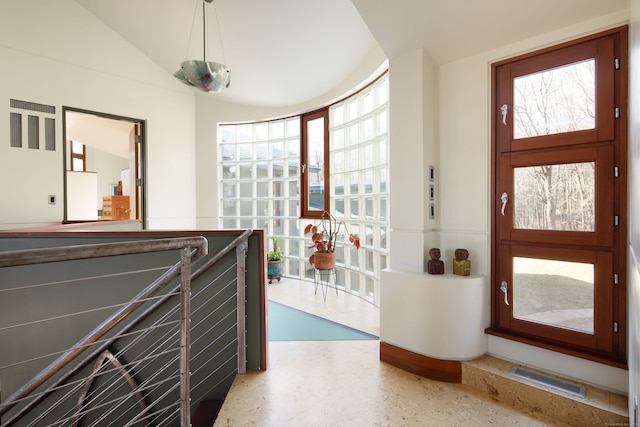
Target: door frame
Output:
{"points": [[140, 155], [611, 143]]}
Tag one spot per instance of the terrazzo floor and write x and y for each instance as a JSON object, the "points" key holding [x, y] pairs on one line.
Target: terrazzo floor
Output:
{"points": [[343, 383]]}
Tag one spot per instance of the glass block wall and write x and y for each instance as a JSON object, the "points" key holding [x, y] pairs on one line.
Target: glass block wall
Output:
{"points": [[260, 186]]}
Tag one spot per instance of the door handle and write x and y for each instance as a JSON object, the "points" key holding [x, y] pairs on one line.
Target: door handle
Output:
{"points": [[504, 110], [504, 199], [504, 287]]}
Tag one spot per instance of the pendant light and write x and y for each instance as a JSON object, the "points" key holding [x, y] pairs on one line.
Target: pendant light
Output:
{"points": [[207, 76]]}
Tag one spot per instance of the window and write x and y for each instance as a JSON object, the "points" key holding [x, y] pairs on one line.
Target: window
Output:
{"points": [[261, 182], [559, 217], [78, 156], [315, 164], [359, 165]]}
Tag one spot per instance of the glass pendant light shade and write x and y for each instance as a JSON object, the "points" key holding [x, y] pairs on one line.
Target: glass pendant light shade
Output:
{"points": [[204, 75], [207, 76]]}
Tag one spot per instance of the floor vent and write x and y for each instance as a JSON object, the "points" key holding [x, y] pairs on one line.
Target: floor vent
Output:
{"points": [[536, 377]]}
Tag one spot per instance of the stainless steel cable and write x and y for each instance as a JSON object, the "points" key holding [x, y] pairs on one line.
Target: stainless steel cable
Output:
{"points": [[163, 343], [137, 362], [95, 398], [82, 279], [77, 313], [80, 382]]}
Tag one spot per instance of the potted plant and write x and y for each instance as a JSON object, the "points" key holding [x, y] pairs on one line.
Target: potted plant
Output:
{"points": [[323, 238], [274, 261]]}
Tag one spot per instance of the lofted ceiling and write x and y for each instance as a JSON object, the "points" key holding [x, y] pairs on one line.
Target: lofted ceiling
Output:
{"points": [[286, 52], [108, 135]]}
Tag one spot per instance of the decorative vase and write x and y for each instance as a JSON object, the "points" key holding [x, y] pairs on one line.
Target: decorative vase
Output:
{"points": [[324, 260], [274, 270]]}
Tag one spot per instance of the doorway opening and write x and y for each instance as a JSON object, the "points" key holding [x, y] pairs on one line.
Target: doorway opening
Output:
{"points": [[104, 159]]}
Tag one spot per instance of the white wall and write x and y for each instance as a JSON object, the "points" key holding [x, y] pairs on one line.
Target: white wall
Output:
{"points": [[56, 53], [465, 174], [464, 169], [412, 148], [109, 168]]}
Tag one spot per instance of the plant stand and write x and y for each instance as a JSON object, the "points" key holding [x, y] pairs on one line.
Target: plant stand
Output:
{"points": [[272, 278], [322, 279]]}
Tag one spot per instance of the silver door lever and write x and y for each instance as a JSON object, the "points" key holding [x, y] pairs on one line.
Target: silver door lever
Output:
{"points": [[504, 110], [504, 199], [504, 288]]}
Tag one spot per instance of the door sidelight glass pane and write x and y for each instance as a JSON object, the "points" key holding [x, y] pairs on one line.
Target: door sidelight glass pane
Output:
{"points": [[556, 293], [554, 101], [555, 197]]}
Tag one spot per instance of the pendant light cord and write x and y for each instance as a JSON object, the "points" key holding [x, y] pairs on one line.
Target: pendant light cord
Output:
{"points": [[224, 58], [193, 23], [204, 32]]}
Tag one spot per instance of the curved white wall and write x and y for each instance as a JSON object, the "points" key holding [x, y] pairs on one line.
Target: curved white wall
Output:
{"points": [[439, 316]]}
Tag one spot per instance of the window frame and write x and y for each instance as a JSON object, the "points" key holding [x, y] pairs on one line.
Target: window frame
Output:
{"points": [[606, 145], [550, 58], [305, 210], [78, 156]]}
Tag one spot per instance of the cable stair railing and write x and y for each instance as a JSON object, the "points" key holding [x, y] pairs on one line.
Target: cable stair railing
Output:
{"points": [[136, 367]]}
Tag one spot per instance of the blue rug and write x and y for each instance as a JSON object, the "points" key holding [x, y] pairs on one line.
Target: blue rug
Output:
{"points": [[290, 324]]}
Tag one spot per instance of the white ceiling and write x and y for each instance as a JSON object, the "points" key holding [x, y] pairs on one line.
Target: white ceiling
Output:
{"points": [[105, 134], [285, 52], [280, 52], [452, 29]]}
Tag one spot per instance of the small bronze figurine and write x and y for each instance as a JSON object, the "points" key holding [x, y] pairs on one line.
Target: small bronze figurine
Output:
{"points": [[461, 264], [435, 265]]}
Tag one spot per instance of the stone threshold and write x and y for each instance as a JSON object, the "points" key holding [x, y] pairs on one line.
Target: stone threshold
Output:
{"points": [[491, 377]]}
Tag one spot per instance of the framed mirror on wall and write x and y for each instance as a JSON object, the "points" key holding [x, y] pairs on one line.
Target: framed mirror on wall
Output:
{"points": [[103, 167]]}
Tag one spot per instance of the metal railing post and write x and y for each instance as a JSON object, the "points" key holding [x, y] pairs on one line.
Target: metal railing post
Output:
{"points": [[185, 341], [241, 253]]}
